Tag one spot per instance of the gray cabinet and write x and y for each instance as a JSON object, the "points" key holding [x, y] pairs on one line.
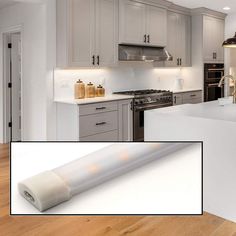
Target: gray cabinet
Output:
{"points": [[213, 37], [106, 121], [141, 23], [192, 97], [179, 39], [87, 33]]}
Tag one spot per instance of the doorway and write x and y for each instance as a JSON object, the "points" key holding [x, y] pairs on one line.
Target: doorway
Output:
{"points": [[13, 86]]}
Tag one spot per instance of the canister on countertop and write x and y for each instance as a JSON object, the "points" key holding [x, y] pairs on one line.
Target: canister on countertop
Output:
{"points": [[100, 91], [79, 90], [90, 90]]}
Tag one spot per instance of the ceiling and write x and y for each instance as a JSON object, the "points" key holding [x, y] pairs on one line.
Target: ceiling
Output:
{"points": [[216, 5]]}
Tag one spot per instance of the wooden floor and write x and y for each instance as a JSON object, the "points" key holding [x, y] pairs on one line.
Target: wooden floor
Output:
{"points": [[206, 225]]}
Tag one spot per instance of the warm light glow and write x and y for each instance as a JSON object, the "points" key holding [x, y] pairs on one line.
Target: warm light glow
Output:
{"points": [[226, 8]]}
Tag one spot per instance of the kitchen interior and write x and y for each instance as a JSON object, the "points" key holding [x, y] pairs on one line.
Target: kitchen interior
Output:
{"points": [[118, 59]]}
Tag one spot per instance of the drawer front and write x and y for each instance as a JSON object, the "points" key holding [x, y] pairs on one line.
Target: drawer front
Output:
{"points": [[103, 137], [192, 95], [97, 108], [192, 101], [98, 123]]}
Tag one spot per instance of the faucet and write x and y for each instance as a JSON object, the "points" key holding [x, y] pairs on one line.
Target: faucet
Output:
{"points": [[234, 80]]}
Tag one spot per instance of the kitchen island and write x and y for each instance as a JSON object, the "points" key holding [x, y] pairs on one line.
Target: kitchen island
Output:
{"points": [[214, 125]]}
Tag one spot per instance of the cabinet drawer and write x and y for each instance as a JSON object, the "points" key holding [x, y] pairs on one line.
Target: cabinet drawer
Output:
{"points": [[192, 95], [103, 137], [98, 123], [97, 108], [192, 101]]}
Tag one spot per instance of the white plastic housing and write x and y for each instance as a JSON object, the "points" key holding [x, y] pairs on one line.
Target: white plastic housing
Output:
{"points": [[53, 187]]}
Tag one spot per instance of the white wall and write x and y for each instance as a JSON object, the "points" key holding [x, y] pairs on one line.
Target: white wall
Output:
{"points": [[121, 78], [32, 17]]}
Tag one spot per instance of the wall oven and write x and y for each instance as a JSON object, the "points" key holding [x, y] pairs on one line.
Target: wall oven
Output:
{"points": [[212, 76]]}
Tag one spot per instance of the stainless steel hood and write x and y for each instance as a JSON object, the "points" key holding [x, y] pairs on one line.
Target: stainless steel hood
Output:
{"points": [[143, 53]]}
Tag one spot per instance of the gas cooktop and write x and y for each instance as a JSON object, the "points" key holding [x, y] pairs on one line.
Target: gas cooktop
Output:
{"points": [[143, 92]]}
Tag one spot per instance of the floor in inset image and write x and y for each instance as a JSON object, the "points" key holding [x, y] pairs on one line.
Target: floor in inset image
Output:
{"points": [[206, 225]]}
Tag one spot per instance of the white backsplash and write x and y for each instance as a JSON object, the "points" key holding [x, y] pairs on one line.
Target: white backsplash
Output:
{"points": [[122, 78]]}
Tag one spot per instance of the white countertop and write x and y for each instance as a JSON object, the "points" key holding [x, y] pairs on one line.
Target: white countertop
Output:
{"points": [[186, 90], [94, 100], [208, 110]]}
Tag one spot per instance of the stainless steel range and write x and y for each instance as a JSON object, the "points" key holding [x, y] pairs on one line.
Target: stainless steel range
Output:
{"points": [[146, 100]]}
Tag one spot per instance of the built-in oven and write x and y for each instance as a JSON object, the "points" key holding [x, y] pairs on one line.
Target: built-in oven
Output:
{"points": [[212, 76]]}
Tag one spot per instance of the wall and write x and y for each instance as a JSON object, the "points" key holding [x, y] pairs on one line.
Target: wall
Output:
{"points": [[141, 76], [33, 19]]}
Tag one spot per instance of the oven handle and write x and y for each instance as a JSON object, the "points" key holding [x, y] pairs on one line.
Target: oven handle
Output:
{"points": [[216, 69], [149, 107], [213, 85]]}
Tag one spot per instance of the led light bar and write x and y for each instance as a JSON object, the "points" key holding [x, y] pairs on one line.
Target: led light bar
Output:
{"points": [[53, 187]]}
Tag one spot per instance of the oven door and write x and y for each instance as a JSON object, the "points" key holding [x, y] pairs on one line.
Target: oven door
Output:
{"points": [[213, 92], [139, 119]]}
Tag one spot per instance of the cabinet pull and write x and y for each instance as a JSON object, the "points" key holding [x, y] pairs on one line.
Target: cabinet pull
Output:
{"points": [[145, 38], [177, 61], [214, 55], [98, 60], [180, 61], [148, 38], [101, 108], [193, 95], [101, 123], [175, 100], [93, 58]]}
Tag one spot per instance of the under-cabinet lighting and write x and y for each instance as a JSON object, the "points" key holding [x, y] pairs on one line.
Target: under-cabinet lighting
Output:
{"points": [[53, 187], [226, 8]]}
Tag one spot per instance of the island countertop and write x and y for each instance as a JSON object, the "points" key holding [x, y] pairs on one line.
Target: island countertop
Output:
{"points": [[209, 110]]}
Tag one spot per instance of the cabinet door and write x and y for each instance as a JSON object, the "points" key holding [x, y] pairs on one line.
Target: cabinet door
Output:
{"points": [[81, 31], [172, 38], [156, 26], [184, 44], [213, 37], [125, 121], [177, 99], [106, 32], [132, 22]]}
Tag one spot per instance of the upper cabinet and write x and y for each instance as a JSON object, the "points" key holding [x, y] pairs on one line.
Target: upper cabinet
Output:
{"points": [[142, 24], [87, 33], [213, 37], [179, 39]]}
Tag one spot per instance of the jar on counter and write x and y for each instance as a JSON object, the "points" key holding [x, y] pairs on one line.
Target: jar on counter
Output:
{"points": [[90, 90], [100, 91], [79, 90]]}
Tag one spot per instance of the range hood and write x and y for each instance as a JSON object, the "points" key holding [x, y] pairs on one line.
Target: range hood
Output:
{"points": [[143, 53]]}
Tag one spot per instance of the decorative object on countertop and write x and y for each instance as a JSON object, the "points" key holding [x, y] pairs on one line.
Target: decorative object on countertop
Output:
{"points": [[90, 90], [100, 91], [79, 89], [179, 83]]}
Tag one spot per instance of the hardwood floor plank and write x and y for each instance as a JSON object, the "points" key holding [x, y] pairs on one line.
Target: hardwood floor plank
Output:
{"points": [[206, 225]]}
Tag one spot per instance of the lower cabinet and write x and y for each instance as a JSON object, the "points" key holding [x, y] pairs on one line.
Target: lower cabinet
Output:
{"points": [[107, 121], [193, 97]]}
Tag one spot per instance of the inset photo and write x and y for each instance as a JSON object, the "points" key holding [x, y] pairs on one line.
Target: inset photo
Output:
{"points": [[152, 178]]}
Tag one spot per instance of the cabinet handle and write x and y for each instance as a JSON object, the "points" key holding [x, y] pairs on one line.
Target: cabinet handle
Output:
{"points": [[101, 123], [93, 58], [145, 38], [175, 101], [193, 95], [180, 61], [177, 61], [148, 38], [98, 60], [214, 55], [101, 108]]}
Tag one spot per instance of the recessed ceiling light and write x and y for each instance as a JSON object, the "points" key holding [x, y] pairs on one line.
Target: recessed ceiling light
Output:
{"points": [[226, 8]]}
